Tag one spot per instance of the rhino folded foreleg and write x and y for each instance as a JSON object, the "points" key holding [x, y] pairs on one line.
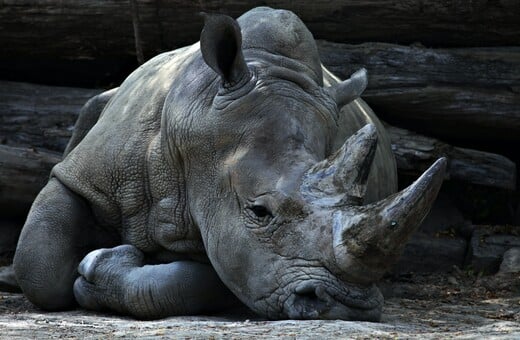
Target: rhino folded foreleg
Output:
{"points": [[58, 232], [117, 279]]}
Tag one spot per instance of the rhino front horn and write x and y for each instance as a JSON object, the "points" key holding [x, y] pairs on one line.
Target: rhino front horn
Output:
{"points": [[368, 239]]}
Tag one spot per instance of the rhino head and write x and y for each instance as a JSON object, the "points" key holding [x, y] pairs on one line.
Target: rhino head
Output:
{"points": [[284, 217]]}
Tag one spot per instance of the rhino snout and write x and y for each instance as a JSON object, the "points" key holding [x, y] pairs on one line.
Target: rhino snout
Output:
{"points": [[319, 300], [308, 301]]}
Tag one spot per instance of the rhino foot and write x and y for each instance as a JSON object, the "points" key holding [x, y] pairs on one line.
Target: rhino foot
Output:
{"points": [[117, 279], [102, 283]]}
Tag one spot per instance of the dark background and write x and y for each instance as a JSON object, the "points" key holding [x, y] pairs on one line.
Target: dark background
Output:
{"points": [[449, 70]]}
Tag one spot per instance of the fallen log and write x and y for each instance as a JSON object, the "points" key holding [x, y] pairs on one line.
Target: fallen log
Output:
{"points": [[23, 172], [456, 93], [39, 116], [414, 153], [164, 25]]}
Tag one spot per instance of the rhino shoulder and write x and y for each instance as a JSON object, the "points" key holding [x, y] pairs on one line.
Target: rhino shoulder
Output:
{"points": [[109, 167]]}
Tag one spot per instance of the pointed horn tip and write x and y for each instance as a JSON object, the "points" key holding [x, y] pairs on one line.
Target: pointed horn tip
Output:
{"points": [[362, 72], [432, 177], [369, 129], [361, 76], [439, 167], [367, 133]]}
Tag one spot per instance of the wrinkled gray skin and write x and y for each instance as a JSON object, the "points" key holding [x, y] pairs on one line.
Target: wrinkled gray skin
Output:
{"points": [[226, 169]]}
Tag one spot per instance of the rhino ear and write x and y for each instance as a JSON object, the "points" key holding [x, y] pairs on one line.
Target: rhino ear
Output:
{"points": [[221, 47], [346, 91]]}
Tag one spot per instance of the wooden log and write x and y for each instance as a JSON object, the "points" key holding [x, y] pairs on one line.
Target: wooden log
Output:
{"points": [[415, 153], [23, 172], [36, 122], [39, 116], [90, 29], [456, 93]]}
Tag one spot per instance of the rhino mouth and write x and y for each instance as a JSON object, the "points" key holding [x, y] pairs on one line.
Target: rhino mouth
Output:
{"points": [[316, 299]]}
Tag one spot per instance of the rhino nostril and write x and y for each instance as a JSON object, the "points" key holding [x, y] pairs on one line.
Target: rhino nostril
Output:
{"points": [[311, 293], [308, 302], [307, 290], [310, 296]]}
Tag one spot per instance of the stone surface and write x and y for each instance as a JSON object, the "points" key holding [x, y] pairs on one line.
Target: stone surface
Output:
{"points": [[429, 253], [510, 261], [78, 325], [429, 307], [486, 250]]}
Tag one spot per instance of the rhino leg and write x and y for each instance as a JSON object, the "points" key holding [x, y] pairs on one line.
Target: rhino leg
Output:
{"points": [[118, 279], [55, 237]]}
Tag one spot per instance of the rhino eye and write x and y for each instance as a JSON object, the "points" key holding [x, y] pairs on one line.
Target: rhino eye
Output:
{"points": [[260, 211]]}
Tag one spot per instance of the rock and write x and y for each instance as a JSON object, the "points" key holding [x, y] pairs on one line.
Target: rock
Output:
{"points": [[453, 281], [487, 250], [511, 261], [8, 281], [426, 253]]}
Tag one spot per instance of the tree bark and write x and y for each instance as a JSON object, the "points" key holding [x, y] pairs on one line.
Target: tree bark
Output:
{"points": [[97, 29], [456, 93], [414, 153], [36, 122], [23, 172], [39, 116]]}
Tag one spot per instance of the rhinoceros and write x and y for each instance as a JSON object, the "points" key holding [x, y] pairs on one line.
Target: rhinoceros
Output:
{"points": [[237, 167]]}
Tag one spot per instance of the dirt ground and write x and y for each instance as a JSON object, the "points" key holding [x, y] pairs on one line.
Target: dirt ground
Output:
{"points": [[455, 305]]}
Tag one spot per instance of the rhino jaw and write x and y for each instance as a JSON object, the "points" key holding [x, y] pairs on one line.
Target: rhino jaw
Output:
{"points": [[368, 239]]}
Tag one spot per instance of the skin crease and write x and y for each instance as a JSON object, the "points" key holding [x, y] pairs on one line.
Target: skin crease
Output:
{"points": [[194, 168]]}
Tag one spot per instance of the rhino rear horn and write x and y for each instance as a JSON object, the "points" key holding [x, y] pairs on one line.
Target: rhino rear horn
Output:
{"points": [[221, 47], [350, 89], [342, 178]]}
